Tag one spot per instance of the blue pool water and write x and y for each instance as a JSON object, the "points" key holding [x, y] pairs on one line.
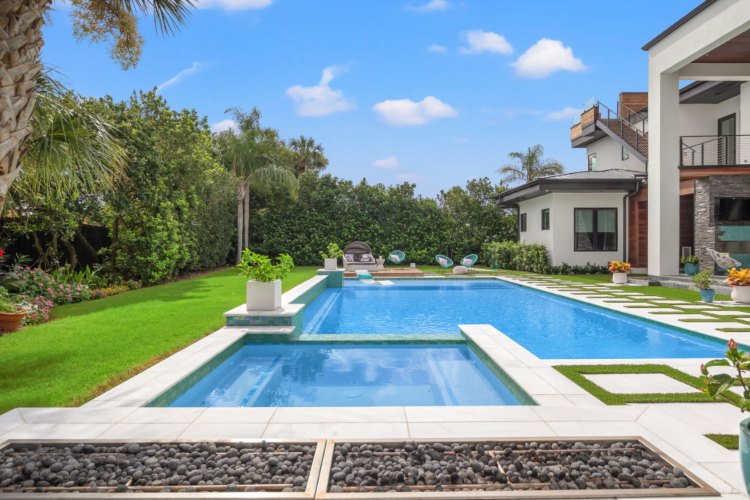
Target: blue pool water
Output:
{"points": [[349, 375], [551, 327]]}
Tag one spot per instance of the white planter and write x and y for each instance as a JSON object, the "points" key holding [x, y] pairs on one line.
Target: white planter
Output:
{"points": [[263, 296], [741, 294], [330, 264], [619, 278]]}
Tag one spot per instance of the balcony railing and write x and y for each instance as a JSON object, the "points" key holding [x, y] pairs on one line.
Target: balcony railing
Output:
{"points": [[714, 150]]}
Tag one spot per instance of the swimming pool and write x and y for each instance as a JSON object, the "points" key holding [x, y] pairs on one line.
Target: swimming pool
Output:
{"points": [[302, 374], [549, 326]]}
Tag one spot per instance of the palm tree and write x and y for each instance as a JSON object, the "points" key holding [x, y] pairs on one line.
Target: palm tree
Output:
{"points": [[21, 41], [532, 165], [307, 155]]}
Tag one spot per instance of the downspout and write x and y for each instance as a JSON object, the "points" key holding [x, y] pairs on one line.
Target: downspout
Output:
{"points": [[625, 202]]}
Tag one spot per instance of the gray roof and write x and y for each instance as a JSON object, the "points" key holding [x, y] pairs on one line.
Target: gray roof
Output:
{"points": [[611, 174]]}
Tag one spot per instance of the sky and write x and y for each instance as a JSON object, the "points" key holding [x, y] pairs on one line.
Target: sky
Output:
{"points": [[433, 92]]}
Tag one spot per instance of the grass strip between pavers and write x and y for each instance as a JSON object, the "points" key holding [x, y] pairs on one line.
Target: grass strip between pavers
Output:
{"points": [[728, 441], [577, 373], [734, 330]]}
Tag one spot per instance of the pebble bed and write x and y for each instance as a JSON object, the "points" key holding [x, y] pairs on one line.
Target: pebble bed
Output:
{"points": [[497, 466], [148, 467]]}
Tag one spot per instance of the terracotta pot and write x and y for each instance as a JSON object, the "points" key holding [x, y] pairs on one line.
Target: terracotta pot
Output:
{"points": [[9, 322]]}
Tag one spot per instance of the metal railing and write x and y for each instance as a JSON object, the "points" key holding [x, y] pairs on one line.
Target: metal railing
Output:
{"points": [[714, 150]]}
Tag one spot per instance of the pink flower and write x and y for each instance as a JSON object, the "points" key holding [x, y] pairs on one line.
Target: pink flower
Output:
{"points": [[732, 345]]}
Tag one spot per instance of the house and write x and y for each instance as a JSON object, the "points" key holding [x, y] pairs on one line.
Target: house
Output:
{"points": [[668, 170]]}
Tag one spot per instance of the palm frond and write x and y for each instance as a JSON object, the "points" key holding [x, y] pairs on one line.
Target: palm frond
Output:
{"points": [[169, 15]]}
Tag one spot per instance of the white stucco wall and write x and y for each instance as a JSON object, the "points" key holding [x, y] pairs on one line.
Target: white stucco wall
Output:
{"points": [[609, 155], [559, 239], [703, 119]]}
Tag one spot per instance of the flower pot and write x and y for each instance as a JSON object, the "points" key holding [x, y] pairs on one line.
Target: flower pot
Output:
{"points": [[9, 322], [330, 264], [263, 296], [745, 451], [619, 278], [708, 295], [741, 294], [691, 269]]}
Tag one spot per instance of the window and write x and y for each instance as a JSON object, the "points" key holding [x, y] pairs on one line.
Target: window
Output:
{"points": [[592, 161], [625, 154], [595, 229], [545, 219], [522, 222]]}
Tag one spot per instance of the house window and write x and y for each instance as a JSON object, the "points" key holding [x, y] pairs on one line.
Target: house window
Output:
{"points": [[625, 154], [595, 229], [592, 162], [522, 222], [545, 219]]}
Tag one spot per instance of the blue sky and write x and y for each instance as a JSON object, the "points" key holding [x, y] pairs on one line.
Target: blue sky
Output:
{"points": [[427, 91]]}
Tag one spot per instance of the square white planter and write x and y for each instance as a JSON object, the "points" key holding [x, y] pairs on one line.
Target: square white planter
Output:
{"points": [[263, 296], [330, 264]]}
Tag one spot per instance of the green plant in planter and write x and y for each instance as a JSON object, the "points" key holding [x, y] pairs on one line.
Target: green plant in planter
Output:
{"points": [[8, 305], [702, 280], [690, 259], [257, 267], [332, 252]]}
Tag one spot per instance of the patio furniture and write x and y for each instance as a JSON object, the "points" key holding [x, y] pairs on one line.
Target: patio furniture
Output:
{"points": [[723, 260], [396, 257], [469, 260], [444, 261], [358, 256]]}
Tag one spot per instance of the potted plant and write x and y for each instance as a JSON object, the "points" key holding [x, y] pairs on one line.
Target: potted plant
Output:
{"points": [[702, 282], [264, 279], [720, 386], [11, 314], [690, 262], [619, 272], [331, 257], [739, 279]]}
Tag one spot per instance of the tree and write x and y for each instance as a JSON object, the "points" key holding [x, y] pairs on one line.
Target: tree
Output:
{"points": [[307, 155], [531, 165], [21, 41]]}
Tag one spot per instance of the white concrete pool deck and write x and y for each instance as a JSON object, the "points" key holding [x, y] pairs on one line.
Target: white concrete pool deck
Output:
{"points": [[564, 409]]}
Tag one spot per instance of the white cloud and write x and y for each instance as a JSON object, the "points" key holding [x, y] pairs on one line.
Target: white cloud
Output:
{"points": [[320, 99], [401, 112], [479, 41], [545, 57], [179, 77], [223, 125], [388, 162], [432, 6], [566, 113], [437, 48], [407, 177], [233, 4]]}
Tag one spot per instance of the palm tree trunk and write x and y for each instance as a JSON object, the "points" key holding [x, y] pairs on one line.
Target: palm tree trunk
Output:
{"points": [[20, 43], [246, 220], [240, 199]]}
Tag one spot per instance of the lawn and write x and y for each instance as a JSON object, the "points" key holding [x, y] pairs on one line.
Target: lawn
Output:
{"points": [[92, 346]]}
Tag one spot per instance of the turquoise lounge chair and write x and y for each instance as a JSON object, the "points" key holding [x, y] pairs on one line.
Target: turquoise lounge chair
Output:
{"points": [[396, 257], [470, 260], [444, 261]]}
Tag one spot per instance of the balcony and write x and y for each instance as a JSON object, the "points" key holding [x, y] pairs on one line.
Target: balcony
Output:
{"points": [[710, 151]]}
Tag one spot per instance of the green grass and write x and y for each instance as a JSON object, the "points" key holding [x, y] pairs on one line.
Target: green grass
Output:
{"points": [[577, 373], [728, 441], [91, 346]]}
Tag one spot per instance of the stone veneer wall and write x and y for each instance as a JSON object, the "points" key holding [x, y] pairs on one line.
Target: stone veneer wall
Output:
{"points": [[706, 191]]}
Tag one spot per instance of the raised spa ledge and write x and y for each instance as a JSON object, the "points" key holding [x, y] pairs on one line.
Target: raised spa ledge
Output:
{"points": [[289, 315]]}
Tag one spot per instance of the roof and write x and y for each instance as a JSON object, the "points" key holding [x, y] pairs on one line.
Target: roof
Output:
{"points": [[615, 179], [684, 19]]}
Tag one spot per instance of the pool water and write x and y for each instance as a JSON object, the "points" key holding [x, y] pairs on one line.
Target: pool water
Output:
{"points": [[549, 326], [349, 375]]}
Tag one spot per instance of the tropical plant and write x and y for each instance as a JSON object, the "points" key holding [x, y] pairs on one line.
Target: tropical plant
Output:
{"points": [[738, 277], [720, 385], [689, 259], [257, 267], [332, 251], [8, 304], [702, 279], [307, 155], [530, 165], [21, 38], [619, 267], [530, 257]]}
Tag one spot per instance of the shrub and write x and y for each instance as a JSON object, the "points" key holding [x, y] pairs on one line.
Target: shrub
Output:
{"points": [[108, 291], [37, 310], [589, 268], [38, 283], [254, 266], [530, 257]]}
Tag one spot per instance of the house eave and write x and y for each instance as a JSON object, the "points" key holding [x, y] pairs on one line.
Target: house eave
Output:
{"points": [[541, 187]]}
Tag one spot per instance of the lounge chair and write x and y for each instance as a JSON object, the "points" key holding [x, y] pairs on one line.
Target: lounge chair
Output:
{"points": [[470, 260], [358, 256], [723, 260], [444, 261], [396, 257]]}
